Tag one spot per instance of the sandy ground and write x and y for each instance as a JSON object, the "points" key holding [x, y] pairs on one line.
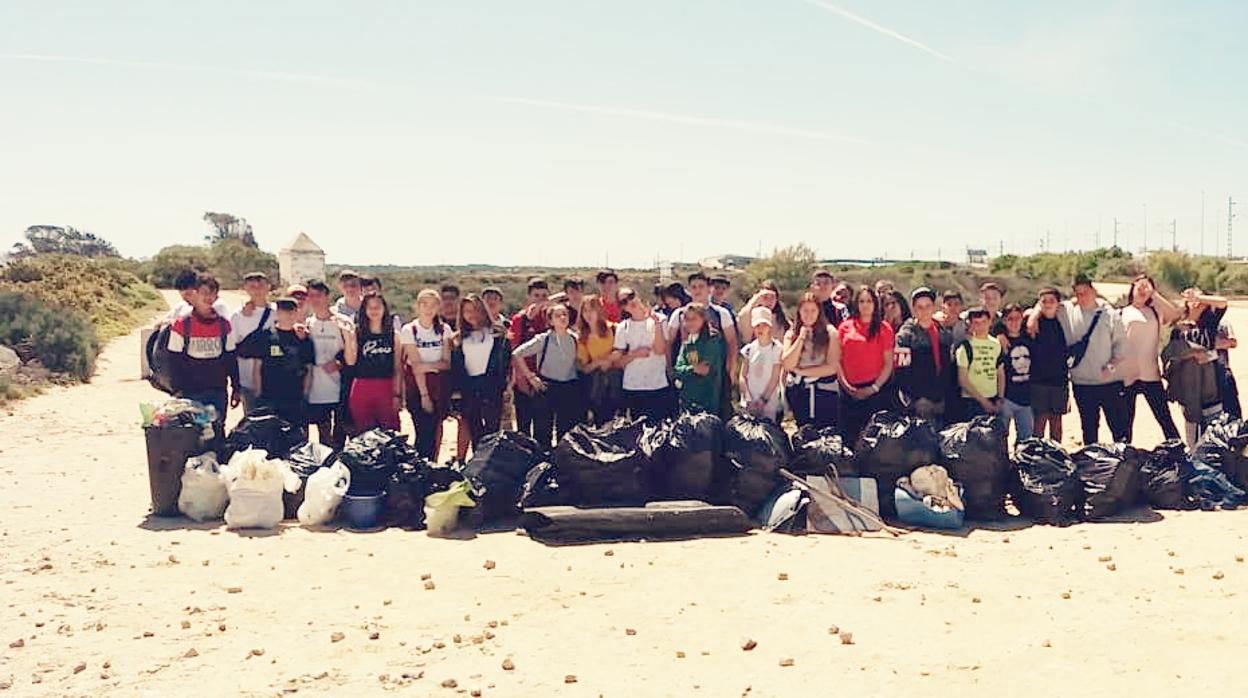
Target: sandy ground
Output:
{"points": [[98, 599]]}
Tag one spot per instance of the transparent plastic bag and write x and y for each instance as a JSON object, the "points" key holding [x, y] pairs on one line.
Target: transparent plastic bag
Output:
{"points": [[204, 494], [442, 509], [323, 493], [255, 484]]}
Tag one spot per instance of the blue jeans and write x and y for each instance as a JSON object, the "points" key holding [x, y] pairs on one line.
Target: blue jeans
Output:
{"points": [[1022, 416]]}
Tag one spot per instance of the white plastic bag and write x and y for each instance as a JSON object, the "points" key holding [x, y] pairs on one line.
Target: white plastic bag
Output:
{"points": [[442, 509], [323, 493], [255, 484], [204, 494]]}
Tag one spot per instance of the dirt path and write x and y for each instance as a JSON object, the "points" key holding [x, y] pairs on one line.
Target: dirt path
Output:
{"points": [[99, 600]]}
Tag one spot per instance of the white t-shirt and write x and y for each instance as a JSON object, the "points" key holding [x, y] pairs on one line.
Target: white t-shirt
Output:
{"points": [[477, 347], [241, 326], [1143, 345], [761, 360], [326, 336], [182, 309], [427, 340], [649, 373]]}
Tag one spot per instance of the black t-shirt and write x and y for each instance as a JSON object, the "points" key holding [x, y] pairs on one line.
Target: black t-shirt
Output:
{"points": [[835, 313], [284, 365], [1048, 354], [1018, 362], [376, 356], [1205, 332]]}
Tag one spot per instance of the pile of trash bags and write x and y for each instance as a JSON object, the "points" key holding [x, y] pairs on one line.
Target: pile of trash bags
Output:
{"points": [[756, 449], [180, 412], [687, 456], [255, 483], [817, 450], [891, 446], [1109, 479], [976, 455], [605, 465], [372, 458], [496, 473], [1048, 489], [204, 494], [264, 431]]}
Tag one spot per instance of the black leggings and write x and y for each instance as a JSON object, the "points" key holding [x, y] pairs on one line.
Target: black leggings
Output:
{"points": [[1155, 395], [483, 411], [812, 404], [1092, 400], [556, 411]]}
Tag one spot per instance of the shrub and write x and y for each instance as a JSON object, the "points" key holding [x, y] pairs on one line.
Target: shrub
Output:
{"points": [[112, 298], [63, 340], [228, 259]]}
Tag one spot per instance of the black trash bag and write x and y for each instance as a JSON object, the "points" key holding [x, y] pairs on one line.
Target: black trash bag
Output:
{"points": [[1211, 489], [976, 455], [542, 488], [310, 456], [407, 488], [1049, 490], [1221, 446], [687, 456], [891, 446], [496, 472], [1110, 477], [756, 449], [263, 430], [1162, 475], [814, 450], [372, 457], [605, 465]]}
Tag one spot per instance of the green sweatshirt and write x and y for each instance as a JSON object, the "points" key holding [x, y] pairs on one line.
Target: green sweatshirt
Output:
{"points": [[701, 392]]}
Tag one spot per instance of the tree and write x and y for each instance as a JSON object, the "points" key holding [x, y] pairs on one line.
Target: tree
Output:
{"points": [[789, 267], [227, 226], [53, 239], [228, 260]]}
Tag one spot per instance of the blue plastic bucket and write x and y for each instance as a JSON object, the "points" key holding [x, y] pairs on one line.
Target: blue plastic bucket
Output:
{"points": [[914, 512], [361, 510]]}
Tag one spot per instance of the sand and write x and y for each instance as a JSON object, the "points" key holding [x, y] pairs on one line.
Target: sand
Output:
{"points": [[100, 600]]}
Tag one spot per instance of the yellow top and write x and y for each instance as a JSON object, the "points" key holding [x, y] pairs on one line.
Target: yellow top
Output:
{"points": [[593, 347]]}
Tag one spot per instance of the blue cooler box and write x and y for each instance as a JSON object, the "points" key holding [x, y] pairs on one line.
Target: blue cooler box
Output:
{"points": [[914, 512]]}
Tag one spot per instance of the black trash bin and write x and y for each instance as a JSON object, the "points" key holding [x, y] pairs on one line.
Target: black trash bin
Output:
{"points": [[167, 450]]}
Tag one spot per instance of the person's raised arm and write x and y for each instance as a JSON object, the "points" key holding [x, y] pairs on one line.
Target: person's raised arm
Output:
{"points": [[1167, 312], [350, 346], [733, 348], [660, 337]]}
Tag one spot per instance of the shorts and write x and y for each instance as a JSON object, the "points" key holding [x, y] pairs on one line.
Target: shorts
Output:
{"points": [[1050, 399], [319, 413]]}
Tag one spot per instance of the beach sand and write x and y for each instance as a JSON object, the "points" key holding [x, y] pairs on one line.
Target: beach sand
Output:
{"points": [[98, 599]]}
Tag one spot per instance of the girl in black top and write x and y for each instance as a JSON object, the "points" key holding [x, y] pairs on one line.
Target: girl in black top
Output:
{"points": [[371, 349]]}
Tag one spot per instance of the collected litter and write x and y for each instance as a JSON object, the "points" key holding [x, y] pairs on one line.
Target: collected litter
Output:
{"points": [[204, 494], [255, 484]]}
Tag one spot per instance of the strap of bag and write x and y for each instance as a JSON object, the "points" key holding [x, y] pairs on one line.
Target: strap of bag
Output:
{"points": [[541, 359], [186, 334], [1081, 347]]}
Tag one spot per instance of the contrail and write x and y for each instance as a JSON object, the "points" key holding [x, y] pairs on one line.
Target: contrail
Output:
{"points": [[880, 28], [688, 120], [149, 65]]}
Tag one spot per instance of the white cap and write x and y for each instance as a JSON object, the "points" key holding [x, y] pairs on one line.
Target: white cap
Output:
{"points": [[760, 316]]}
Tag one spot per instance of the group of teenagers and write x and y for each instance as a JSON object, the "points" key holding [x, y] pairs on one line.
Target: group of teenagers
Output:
{"points": [[574, 356]]}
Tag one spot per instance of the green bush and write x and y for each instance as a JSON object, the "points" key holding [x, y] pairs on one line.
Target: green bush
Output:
{"points": [[64, 340], [112, 298], [228, 260]]}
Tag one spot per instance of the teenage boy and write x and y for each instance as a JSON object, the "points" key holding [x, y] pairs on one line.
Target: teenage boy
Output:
{"points": [[525, 325], [300, 293], [1095, 338], [285, 371], [980, 373], [720, 286], [717, 317], [352, 296], [1050, 374], [256, 314], [608, 291], [574, 287], [203, 366], [922, 358], [450, 305], [823, 284], [186, 283], [325, 391], [493, 298], [991, 297]]}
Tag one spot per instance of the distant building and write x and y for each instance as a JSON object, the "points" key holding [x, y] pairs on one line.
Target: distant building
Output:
{"points": [[301, 260], [725, 262], [976, 258]]}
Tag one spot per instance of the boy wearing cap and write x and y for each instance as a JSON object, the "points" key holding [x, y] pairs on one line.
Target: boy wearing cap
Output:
{"points": [[284, 371], [760, 373], [256, 314], [980, 372], [922, 358], [352, 295]]}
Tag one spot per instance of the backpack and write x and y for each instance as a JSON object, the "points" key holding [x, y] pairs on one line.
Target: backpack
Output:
{"points": [[256, 343], [160, 359]]}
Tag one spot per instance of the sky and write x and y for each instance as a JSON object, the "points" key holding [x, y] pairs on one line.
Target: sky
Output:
{"points": [[588, 132]]}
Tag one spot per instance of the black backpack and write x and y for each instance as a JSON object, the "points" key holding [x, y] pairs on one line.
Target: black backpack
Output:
{"points": [[160, 359]]}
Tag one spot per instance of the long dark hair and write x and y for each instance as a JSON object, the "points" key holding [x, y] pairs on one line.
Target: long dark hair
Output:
{"points": [[902, 305], [777, 313], [364, 328], [820, 330], [877, 315], [486, 322], [1136, 282]]}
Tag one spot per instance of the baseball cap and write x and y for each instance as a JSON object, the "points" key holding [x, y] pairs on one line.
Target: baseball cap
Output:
{"points": [[296, 289], [760, 316], [922, 292], [287, 303]]}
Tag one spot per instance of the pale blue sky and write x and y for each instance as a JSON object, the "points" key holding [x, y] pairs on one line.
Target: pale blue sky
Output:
{"points": [[556, 131]]}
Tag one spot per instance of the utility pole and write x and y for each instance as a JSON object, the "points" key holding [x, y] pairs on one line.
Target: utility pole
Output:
{"points": [[1115, 231], [1096, 240], [1048, 240], [1146, 227], [1230, 217], [1174, 235], [1202, 222]]}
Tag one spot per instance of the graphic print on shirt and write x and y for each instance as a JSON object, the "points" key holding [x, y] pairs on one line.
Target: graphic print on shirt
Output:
{"points": [[376, 348], [1020, 363]]}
